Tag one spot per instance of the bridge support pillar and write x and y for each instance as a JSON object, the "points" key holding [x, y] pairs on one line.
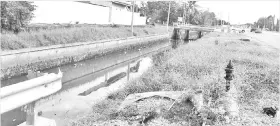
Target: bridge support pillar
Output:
{"points": [[187, 36], [175, 38], [199, 34]]}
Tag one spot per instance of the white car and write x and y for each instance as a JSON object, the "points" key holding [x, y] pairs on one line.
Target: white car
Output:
{"points": [[238, 30]]}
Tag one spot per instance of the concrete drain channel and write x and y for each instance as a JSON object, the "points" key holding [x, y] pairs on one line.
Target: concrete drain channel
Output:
{"points": [[111, 80]]}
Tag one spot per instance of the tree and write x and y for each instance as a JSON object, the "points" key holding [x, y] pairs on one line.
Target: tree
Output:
{"points": [[270, 22], [143, 8], [207, 18], [158, 10], [15, 15], [164, 12], [192, 14], [266, 22]]}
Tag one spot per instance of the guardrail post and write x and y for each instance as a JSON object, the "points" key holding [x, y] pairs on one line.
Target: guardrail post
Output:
{"points": [[187, 36], [30, 114], [128, 71], [229, 75], [27, 93], [30, 117]]}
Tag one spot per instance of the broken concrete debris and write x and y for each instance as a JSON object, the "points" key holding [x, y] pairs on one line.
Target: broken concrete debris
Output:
{"points": [[270, 111]]}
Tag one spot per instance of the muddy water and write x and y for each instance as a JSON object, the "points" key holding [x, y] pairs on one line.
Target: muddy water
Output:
{"points": [[75, 74], [82, 72]]}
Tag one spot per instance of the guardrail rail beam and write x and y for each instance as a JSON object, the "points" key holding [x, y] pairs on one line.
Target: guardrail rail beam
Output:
{"points": [[27, 93]]}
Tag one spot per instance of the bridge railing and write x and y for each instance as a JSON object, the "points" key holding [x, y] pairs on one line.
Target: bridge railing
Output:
{"points": [[195, 28], [176, 36]]}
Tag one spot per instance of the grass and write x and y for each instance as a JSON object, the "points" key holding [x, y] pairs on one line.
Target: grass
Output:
{"points": [[56, 36], [200, 65]]}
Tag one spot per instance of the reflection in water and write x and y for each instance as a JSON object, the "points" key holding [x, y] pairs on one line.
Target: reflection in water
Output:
{"points": [[75, 74], [107, 83]]}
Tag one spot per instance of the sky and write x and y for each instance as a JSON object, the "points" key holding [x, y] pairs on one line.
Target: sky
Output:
{"points": [[236, 12], [242, 11]]}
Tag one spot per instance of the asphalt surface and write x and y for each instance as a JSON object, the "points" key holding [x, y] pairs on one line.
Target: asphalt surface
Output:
{"points": [[266, 38]]}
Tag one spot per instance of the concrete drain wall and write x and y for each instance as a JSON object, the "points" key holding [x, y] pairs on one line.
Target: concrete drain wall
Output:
{"points": [[18, 62]]}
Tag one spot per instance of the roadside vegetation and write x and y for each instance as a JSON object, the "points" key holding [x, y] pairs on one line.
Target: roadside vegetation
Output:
{"points": [[17, 33], [266, 23], [49, 37], [200, 65]]}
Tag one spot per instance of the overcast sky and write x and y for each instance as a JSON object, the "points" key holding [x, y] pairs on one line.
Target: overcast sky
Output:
{"points": [[242, 11], [239, 11]]}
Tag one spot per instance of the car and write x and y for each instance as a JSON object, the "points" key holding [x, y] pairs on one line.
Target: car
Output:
{"points": [[239, 30], [253, 29], [258, 31]]}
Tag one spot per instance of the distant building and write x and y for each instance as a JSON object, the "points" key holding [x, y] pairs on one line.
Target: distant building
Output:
{"points": [[90, 12]]}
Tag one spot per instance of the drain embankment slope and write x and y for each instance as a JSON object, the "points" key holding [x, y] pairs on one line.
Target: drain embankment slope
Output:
{"points": [[201, 65]]}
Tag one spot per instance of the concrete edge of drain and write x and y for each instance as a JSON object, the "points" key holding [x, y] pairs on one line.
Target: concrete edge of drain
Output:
{"points": [[104, 84], [111, 80]]}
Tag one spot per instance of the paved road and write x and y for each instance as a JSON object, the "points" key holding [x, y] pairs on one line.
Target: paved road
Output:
{"points": [[267, 38]]}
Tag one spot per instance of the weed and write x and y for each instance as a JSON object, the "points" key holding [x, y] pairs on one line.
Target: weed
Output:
{"points": [[56, 36], [201, 65]]}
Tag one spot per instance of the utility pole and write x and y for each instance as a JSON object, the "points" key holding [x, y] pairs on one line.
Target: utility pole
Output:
{"points": [[228, 17], [132, 18], [184, 13], [278, 27], [228, 24], [168, 16], [221, 18], [272, 26], [264, 23]]}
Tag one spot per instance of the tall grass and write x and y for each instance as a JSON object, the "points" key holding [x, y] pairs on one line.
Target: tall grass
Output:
{"points": [[71, 35], [200, 65]]}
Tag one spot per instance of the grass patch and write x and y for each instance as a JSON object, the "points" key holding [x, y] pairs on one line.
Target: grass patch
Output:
{"points": [[56, 36], [200, 65]]}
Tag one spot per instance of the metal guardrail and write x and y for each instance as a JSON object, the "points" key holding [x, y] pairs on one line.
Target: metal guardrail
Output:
{"points": [[28, 92]]}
